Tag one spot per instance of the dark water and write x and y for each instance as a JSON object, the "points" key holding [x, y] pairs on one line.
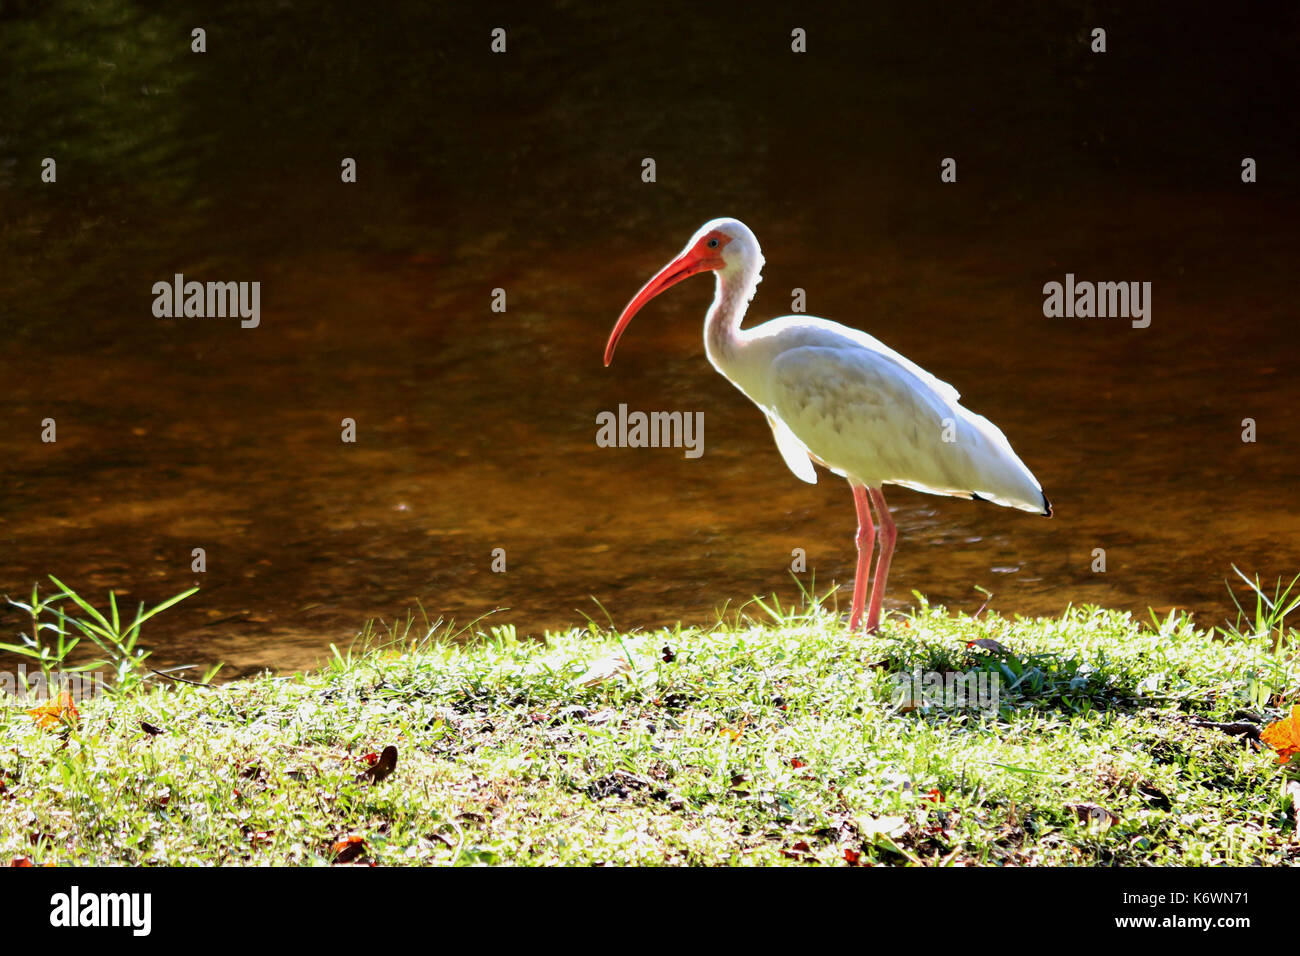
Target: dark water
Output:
{"points": [[522, 172]]}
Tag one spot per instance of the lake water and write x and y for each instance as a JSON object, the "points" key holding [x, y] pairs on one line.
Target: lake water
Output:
{"points": [[476, 429]]}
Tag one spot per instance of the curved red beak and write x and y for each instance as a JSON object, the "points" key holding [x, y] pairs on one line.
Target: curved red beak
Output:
{"points": [[689, 263]]}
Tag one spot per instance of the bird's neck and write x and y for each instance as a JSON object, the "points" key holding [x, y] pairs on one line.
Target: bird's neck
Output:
{"points": [[723, 336]]}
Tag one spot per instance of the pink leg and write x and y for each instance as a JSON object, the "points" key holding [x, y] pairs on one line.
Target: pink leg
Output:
{"points": [[866, 542], [888, 535]]}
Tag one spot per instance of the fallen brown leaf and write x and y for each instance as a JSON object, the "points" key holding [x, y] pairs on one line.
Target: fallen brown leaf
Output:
{"points": [[347, 849], [797, 852], [1094, 815], [1240, 728], [384, 765]]}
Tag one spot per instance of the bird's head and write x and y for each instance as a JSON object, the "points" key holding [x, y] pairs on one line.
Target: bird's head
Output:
{"points": [[724, 246]]}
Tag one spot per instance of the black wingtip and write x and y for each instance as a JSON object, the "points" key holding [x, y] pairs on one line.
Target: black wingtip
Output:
{"points": [[1047, 508]]}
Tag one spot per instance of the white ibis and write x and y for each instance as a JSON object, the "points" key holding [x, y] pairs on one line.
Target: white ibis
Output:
{"points": [[840, 398]]}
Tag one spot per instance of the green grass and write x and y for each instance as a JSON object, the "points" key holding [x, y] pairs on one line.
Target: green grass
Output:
{"points": [[754, 742]]}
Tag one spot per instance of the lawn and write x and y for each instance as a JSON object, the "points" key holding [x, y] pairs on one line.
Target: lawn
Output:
{"points": [[776, 737]]}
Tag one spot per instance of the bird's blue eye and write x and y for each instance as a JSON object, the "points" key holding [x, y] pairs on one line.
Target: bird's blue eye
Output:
{"points": [[713, 243]]}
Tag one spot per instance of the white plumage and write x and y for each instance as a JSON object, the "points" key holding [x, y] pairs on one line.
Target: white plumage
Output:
{"points": [[841, 398], [865, 415]]}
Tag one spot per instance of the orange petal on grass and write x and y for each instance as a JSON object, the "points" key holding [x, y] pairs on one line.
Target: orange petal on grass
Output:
{"points": [[1284, 735], [51, 715]]}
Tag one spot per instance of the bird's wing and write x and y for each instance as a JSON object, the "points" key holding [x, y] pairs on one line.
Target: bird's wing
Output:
{"points": [[864, 414], [943, 390], [792, 450], [809, 331]]}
